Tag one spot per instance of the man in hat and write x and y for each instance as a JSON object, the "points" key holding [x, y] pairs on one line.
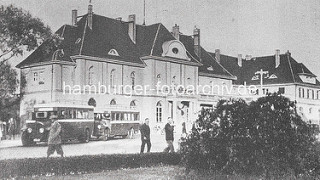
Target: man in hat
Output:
{"points": [[145, 135], [54, 139], [169, 128]]}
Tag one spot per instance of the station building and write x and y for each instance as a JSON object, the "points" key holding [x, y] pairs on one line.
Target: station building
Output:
{"points": [[120, 65]]}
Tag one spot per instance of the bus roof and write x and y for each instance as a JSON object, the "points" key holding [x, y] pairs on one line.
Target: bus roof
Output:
{"points": [[62, 105]]}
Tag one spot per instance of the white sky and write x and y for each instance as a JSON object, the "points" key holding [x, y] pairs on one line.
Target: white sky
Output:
{"points": [[255, 27]]}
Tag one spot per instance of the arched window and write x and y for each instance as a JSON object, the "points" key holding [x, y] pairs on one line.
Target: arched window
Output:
{"points": [[158, 78], [92, 102], [133, 76], [91, 76], [112, 77], [159, 112], [133, 104], [113, 102]]}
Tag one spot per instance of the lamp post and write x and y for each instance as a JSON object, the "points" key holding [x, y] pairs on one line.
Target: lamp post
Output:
{"points": [[261, 73]]}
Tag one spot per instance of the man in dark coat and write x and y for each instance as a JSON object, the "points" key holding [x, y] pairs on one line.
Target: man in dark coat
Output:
{"points": [[145, 135], [169, 135], [54, 139]]}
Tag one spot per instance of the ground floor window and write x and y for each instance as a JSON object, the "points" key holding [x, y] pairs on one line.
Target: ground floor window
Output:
{"points": [[159, 112]]}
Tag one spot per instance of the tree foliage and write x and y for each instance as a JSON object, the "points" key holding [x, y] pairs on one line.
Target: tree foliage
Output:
{"points": [[265, 137], [20, 31]]}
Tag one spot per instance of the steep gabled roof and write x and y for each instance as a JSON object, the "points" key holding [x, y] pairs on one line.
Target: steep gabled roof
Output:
{"points": [[287, 72], [106, 34], [151, 38], [44, 52]]}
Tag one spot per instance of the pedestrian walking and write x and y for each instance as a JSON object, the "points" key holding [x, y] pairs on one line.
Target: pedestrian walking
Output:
{"points": [[145, 136], [11, 128], [54, 140], [169, 128]]}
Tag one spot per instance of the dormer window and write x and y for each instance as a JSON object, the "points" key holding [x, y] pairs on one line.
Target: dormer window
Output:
{"points": [[78, 41], [210, 68], [175, 49], [113, 52]]}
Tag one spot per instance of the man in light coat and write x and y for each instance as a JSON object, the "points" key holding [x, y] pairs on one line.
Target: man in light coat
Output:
{"points": [[54, 139]]}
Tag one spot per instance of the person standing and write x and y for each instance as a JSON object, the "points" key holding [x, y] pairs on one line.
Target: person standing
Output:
{"points": [[169, 135], [54, 139], [145, 135]]}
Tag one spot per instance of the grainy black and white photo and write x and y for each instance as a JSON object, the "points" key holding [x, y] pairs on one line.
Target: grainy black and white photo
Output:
{"points": [[159, 89]]}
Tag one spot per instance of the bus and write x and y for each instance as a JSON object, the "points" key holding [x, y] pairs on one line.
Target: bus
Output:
{"points": [[117, 123], [77, 122]]}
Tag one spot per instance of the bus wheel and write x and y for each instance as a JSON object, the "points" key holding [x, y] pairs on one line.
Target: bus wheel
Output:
{"points": [[26, 141], [106, 134]]}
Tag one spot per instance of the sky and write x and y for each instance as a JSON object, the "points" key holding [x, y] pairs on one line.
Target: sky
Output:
{"points": [[253, 27]]}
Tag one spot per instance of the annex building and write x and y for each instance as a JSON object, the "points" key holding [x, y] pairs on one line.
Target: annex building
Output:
{"points": [[119, 65]]}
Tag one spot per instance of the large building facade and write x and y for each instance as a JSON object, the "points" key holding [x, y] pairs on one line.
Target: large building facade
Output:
{"points": [[120, 65]]}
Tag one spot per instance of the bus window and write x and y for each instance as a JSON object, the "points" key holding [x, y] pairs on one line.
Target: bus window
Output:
{"points": [[79, 114], [113, 116], [62, 114], [136, 117], [41, 114], [121, 116], [90, 114]]}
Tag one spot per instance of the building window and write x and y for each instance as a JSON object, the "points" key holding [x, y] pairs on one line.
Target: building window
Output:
{"points": [[281, 90], [309, 94], [302, 92], [312, 94], [318, 94], [265, 91], [310, 110], [38, 77], [113, 102], [112, 77], [133, 76], [174, 80], [91, 74], [35, 77], [92, 102], [133, 104], [158, 78], [159, 112]]}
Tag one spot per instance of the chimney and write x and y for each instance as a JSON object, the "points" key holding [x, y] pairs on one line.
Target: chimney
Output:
{"points": [[248, 57], [74, 17], [196, 41], [217, 53], [175, 31], [119, 18], [288, 53], [277, 57], [240, 60], [132, 27], [90, 16]]}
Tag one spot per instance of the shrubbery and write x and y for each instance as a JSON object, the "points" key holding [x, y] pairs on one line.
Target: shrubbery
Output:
{"points": [[82, 164], [265, 137]]}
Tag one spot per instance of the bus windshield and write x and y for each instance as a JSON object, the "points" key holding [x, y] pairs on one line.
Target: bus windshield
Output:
{"points": [[44, 115]]}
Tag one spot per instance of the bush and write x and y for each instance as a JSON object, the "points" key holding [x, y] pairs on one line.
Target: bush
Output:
{"points": [[82, 164], [265, 137]]}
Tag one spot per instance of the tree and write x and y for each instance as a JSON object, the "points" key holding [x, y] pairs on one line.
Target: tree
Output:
{"points": [[19, 32], [266, 137]]}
